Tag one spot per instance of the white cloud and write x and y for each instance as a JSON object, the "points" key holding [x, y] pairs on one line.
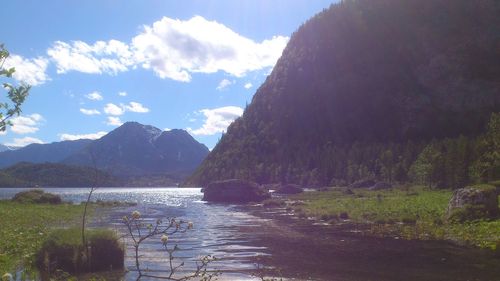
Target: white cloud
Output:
{"points": [[113, 109], [217, 120], [26, 124], [90, 111], [135, 107], [174, 49], [94, 136], [108, 57], [224, 84], [122, 94], [24, 142], [94, 96], [167, 129], [114, 121], [31, 71], [248, 85]]}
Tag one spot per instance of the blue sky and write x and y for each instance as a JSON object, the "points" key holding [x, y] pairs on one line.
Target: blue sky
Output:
{"points": [[172, 64]]}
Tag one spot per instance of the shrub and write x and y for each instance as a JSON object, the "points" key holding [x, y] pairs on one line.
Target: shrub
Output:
{"points": [[106, 252], [37, 196], [63, 251]]}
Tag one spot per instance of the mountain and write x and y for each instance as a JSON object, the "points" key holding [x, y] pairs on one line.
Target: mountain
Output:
{"points": [[54, 175], [41, 153], [3, 148], [362, 88], [135, 150]]}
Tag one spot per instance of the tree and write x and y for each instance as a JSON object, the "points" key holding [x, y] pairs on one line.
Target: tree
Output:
{"points": [[423, 170], [487, 166], [16, 95]]}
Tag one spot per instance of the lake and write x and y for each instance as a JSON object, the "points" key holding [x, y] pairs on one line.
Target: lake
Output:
{"points": [[243, 237]]}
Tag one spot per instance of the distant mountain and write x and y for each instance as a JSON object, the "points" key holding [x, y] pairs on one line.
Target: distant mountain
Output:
{"points": [[3, 148], [138, 154], [54, 175], [361, 88], [136, 150], [41, 153]]}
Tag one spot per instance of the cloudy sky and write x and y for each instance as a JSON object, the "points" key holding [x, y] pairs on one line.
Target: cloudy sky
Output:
{"points": [[172, 64]]}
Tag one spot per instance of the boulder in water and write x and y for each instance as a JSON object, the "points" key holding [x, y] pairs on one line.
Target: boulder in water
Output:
{"points": [[234, 191]]}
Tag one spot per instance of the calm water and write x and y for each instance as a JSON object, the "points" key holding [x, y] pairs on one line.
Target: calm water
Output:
{"points": [[244, 236]]}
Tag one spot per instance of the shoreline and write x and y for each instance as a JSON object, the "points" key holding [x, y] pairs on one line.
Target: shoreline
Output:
{"points": [[308, 249]]}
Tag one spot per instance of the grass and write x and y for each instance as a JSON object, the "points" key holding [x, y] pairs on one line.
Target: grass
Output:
{"points": [[410, 213], [63, 251], [23, 228]]}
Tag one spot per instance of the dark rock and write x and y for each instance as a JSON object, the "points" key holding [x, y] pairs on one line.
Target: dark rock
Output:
{"points": [[381, 185], [289, 189], [234, 191], [362, 183], [471, 203]]}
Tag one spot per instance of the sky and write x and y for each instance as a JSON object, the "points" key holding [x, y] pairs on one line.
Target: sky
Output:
{"points": [[95, 64]]}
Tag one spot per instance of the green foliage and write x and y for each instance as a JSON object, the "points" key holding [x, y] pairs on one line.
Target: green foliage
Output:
{"points": [[16, 95], [23, 227], [487, 166], [444, 163]]}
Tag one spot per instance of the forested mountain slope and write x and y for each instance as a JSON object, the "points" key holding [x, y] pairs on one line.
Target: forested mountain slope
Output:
{"points": [[363, 88], [54, 175]]}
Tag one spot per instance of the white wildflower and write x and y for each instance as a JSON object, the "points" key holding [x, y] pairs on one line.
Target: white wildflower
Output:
{"points": [[164, 239], [136, 215]]}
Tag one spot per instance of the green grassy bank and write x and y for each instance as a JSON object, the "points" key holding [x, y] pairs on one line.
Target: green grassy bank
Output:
{"points": [[23, 228], [409, 213]]}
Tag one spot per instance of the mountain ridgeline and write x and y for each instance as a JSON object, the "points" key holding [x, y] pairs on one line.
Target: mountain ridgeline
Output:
{"points": [[134, 149], [41, 153], [131, 155], [363, 89], [3, 148]]}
